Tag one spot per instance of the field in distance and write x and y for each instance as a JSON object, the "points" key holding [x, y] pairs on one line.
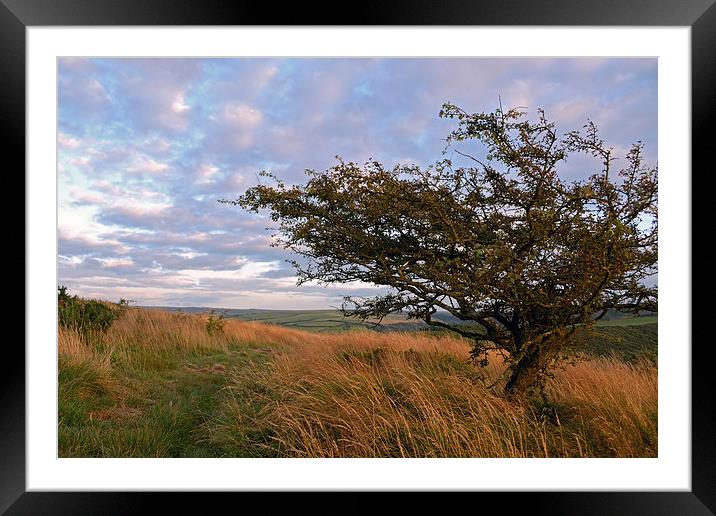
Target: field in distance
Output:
{"points": [[629, 337], [315, 320], [333, 320]]}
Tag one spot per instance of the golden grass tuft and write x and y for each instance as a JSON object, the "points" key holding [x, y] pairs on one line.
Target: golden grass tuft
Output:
{"points": [[615, 403], [73, 348]]}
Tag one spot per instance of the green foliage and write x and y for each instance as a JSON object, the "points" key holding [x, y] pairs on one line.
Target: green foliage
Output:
{"points": [[85, 315], [215, 324]]}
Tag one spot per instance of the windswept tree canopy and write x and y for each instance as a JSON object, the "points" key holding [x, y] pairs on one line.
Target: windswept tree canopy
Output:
{"points": [[503, 242]]}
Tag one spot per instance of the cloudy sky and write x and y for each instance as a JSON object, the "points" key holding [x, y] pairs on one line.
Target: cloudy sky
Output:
{"points": [[147, 146]]}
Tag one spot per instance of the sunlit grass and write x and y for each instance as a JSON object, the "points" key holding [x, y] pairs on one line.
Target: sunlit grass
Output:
{"points": [[158, 384]]}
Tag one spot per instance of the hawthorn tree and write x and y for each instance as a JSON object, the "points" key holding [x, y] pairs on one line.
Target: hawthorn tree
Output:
{"points": [[525, 260]]}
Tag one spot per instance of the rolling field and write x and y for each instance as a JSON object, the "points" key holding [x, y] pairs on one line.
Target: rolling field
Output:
{"points": [[630, 321], [629, 338], [159, 384], [315, 320], [630, 342], [333, 320]]}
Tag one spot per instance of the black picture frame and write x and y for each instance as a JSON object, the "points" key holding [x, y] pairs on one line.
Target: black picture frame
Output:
{"points": [[17, 15]]}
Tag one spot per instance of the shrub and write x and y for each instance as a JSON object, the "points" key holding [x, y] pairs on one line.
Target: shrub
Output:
{"points": [[215, 324], [84, 315]]}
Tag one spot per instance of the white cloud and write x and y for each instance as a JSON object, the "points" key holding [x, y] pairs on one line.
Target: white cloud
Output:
{"points": [[249, 270], [95, 88], [264, 76], [71, 261], [82, 161], [145, 164], [206, 174], [190, 255], [242, 115], [86, 196], [157, 145], [115, 262], [179, 106], [236, 124], [67, 141]]}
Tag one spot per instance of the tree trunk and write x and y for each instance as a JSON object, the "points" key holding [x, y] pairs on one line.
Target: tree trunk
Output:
{"points": [[528, 372]]}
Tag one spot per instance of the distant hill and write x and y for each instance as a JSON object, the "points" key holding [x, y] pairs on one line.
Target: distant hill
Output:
{"points": [[630, 338], [332, 320], [317, 320]]}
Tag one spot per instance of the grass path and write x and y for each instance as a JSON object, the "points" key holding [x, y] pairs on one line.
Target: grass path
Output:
{"points": [[150, 412]]}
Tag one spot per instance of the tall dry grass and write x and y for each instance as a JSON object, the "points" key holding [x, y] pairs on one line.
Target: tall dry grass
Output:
{"points": [[73, 348], [158, 331], [612, 402], [398, 395], [84, 373], [365, 394]]}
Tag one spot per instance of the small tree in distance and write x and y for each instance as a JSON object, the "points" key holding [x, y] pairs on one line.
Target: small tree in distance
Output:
{"points": [[504, 243]]}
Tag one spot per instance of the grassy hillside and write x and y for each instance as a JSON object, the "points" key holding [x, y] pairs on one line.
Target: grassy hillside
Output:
{"points": [[626, 337], [163, 384], [316, 320], [333, 320], [628, 342], [630, 321]]}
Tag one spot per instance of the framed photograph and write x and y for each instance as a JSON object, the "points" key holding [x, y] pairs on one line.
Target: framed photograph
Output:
{"points": [[415, 252]]}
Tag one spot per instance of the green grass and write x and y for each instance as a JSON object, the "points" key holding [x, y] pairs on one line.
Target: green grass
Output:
{"points": [[629, 343], [162, 411], [315, 320], [322, 320], [630, 321]]}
